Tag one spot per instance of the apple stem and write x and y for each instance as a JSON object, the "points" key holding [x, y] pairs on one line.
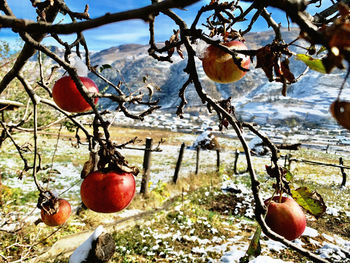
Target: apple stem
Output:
{"points": [[270, 200], [280, 199]]}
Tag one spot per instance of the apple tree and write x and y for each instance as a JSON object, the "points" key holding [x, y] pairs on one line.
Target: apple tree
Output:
{"points": [[69, 98]]}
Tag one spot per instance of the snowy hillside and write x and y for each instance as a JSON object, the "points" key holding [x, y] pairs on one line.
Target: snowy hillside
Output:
{"points": [[255, 98]]}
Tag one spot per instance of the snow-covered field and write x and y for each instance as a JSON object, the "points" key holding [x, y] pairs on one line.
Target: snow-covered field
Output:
{"points": [[66, 182]]}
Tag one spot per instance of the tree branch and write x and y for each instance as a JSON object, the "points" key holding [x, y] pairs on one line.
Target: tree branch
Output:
{"points": [[28, 50], [140, 13], [321, 17]]}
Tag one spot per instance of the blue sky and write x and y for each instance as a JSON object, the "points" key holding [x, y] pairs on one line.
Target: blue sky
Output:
{"points": [[132, 31]]}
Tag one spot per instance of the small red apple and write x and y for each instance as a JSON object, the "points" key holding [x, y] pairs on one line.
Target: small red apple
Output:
{"points": [[67, 96], [60, 217], [340, 111], [108, 192], [220, 67], [286, 218]]}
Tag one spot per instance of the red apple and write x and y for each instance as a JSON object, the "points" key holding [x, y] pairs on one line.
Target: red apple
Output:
{"points": [[340, 111], [286, 218], [67, 96], [60, 217], [107, 192], [220, 67]]}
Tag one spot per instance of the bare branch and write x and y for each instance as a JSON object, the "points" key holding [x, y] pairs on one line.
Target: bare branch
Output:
{"points": [[183, 102], [321, 17], [141, 13], [35, 100], [28, 50]]}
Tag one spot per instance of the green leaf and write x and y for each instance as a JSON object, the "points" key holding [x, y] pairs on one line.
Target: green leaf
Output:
{"points": [[310, 201], [289, 175], [104, 66], [254, 248], [312, 63]]}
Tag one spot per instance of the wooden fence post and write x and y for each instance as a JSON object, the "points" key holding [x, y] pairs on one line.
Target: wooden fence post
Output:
{"points": [[285, 160], [327, 148], [235, 163], [341, 162], [178, 163], [197, 159], [217, 160], [146, 166], [289, 161]]}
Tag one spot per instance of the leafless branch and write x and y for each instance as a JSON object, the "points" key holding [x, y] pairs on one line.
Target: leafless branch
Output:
{"points": [[322, 16], [28, 50], [23, 25], [34, 98], [183, 102]]}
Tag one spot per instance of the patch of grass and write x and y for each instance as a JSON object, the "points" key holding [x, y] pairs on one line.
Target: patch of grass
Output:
{"points": [[179, 234], [31, 238], [16, 197]]}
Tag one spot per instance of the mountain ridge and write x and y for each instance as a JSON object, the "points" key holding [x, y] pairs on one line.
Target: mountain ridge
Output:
{"points": [[254, 97]]}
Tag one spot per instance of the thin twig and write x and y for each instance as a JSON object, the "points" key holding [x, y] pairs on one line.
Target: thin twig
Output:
{"points": [[34, 100]]}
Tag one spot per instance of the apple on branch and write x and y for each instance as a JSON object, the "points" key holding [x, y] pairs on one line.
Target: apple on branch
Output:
{"points": [[58, 217], [108, 192], [285, 217], [220, 66], [67, 96]]}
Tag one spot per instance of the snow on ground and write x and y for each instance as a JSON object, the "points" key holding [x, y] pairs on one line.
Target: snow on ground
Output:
{"points": [[82, 252], [333, 247], [67, 181]]}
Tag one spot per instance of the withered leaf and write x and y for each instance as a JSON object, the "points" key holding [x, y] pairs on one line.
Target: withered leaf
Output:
{"points": [[271, 171], [287, 74], [89, 165], [344, 10], [266, 59], [254, 249], [284, 89], [170, 50], [340, 36], [179, 51]]}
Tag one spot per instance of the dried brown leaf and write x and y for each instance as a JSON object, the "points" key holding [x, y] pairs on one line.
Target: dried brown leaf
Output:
{"points": [[179, 51], [344, 9], [89, 166], [266, 59], [340, 36], [287, 74]]}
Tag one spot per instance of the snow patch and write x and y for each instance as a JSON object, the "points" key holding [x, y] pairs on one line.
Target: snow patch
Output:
{"points": [[274, 245], [311, 232], [331, 251], [267, 259], [82, 252], [332, 211]]}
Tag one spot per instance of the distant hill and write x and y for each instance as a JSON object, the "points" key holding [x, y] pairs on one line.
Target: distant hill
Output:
{"points": [[255, 98]]}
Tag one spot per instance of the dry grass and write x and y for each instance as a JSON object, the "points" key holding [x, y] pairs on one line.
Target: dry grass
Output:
{"points": [[309, 175], [123, 134]]}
